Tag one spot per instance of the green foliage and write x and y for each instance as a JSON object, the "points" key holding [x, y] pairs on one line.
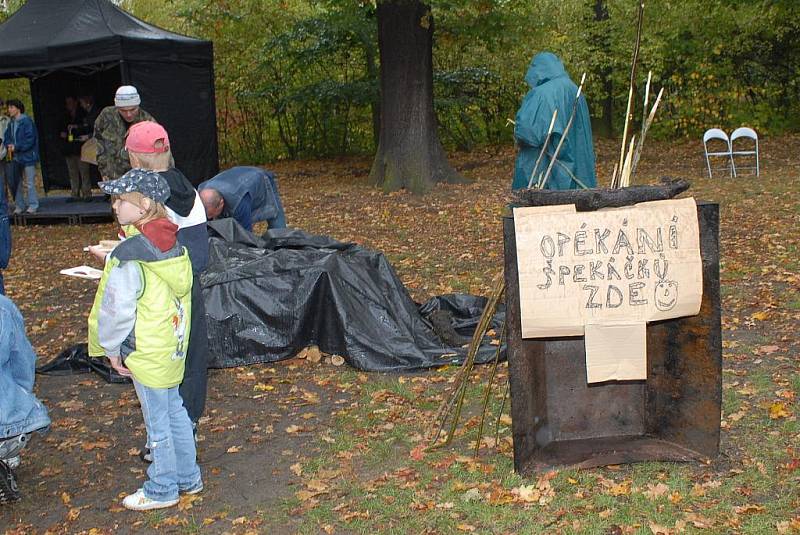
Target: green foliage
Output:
{"points": [[294, 79], [300, 78]]}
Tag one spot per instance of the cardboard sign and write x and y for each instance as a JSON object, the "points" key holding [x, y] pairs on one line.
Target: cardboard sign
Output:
{"points": [[622, 266]]}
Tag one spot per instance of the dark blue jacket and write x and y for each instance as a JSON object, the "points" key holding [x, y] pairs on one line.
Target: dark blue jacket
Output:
{"points": [[25, 141], [249, 187]]}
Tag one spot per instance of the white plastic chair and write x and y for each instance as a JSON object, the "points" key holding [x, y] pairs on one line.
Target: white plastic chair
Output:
{"points": [[716, 133], [748, 133]]}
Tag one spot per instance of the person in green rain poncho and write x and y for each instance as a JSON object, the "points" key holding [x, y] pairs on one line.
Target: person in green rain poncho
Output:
{"points": [[551, 88]]}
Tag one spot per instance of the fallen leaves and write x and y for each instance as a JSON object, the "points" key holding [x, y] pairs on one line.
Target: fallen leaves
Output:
{"points": [[312, 354], [778, 410], [71, 405], [748, 509], [418, 452], [187, 501], [656, 491], [788, 526], [541, 492], [296, 469], [617, 489], [93, 445], [527, 493]]}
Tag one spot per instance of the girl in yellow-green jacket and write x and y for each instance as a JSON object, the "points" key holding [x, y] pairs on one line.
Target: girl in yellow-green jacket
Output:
{"points": [[140, 321]]}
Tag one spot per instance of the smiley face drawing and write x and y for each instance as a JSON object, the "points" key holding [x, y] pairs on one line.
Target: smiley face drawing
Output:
{"points": [[666, 295]]}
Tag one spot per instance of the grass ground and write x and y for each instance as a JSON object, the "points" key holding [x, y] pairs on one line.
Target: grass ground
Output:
{"points": [[299, 447]]}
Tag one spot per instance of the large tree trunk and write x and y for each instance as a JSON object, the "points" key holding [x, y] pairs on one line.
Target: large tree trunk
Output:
{"points": [[409, 152]]}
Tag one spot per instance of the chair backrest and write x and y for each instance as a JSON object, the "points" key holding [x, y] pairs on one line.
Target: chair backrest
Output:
{"points": [[715, 133], [744, 131]]}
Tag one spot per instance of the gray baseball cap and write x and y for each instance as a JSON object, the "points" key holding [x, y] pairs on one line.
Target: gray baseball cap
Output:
{"points": [[148, 183]]}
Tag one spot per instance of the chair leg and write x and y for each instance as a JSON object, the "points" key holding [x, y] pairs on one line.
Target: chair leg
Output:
{"points": [[708, 164], [733, 167], [758, 170]]}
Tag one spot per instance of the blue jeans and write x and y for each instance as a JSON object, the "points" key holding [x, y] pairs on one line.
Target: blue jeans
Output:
{"points": [[19, 198], [279, 219], [171, 442], [20, 411]]}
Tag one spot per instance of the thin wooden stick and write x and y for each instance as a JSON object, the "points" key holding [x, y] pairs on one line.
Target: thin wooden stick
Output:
{"points": [[628, 115], [646, 101], [645, 128], [625, 175], [480, 331], [544, 147], [613, 184], [457, 395], [489, 389], [572, 175], [564, 135], [499, 416]]}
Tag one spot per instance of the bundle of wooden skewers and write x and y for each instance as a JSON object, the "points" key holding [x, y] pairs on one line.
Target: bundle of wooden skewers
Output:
{"points": [[630, 152]]}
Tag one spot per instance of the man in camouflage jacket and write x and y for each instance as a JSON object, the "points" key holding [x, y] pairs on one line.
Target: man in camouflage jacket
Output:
{"points": [[111, 128]]}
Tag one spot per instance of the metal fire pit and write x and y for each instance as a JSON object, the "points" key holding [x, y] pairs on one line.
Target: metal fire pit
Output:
{"points": [[558, 419]]}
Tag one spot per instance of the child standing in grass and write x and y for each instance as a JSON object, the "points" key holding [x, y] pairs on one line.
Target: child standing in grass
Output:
{"points": [[140, 321]]}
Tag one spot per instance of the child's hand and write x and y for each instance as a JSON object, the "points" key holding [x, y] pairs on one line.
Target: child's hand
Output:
{"points": [[116, 363], [98, 252]]}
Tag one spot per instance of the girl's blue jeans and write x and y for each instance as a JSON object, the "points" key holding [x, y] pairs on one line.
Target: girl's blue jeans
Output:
{"points": [[171, 442]]}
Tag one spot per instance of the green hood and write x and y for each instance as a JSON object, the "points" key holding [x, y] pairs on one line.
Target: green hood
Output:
{"points": [[544, 67], [551, 89]]}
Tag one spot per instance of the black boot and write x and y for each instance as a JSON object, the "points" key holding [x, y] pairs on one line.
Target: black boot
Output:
{"points": [[8, 485]]}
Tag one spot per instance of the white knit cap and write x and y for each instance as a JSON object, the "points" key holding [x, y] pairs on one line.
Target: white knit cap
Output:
{"points": [[126, 97]]}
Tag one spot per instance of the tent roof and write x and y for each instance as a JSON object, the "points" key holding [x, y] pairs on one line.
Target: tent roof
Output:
{"points": [[44, 35]]}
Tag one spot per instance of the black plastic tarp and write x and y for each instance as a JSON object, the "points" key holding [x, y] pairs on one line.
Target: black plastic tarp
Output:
{"points": [[268, 298], [92, 46]]}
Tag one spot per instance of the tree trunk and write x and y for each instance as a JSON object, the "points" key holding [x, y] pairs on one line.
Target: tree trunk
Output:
{"points": [[600, 46], [409, 152]]}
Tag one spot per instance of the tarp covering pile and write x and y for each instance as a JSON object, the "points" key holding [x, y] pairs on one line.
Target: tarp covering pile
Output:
{"points": [[268, 298]]}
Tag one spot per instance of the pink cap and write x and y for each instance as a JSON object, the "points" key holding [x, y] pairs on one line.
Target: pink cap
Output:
{"points": [[147, 137]]}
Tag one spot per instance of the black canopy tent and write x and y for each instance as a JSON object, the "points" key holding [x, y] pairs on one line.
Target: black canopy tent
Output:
{"points": [[73, 47]]}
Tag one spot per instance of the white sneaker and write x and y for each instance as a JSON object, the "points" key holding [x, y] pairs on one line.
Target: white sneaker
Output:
{"points": [[13, 462], [139, 502], [31, 211], [17, 211], [196, 490]]}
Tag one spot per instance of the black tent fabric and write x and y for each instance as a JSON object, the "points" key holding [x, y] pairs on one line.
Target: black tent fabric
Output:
{"points": [[92, 46], [267, 298]]}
